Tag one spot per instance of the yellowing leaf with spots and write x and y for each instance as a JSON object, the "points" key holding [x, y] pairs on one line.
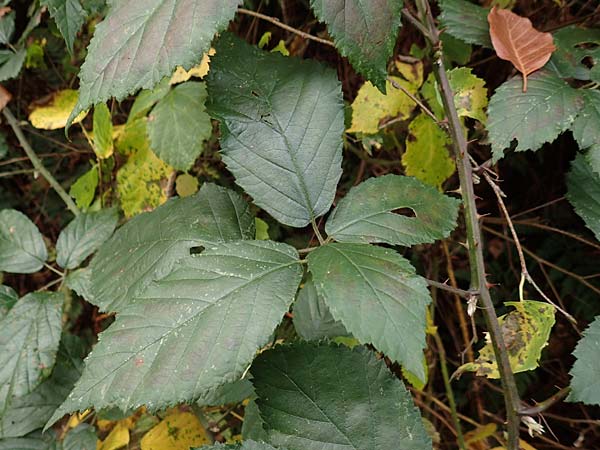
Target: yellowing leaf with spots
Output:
{"points": [[178, 431], [413, 73], [371, 108], [116, 439], [525, 330], [199, 71], [470, 94], [54, 114], [426, 156], [141, 180]]}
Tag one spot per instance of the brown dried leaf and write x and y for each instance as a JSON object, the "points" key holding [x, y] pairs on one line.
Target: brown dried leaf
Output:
{"points": [[5, 97], [515, 40]]}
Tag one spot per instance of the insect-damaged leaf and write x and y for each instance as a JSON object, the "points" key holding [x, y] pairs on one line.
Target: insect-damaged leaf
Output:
{"points": [[192, 331], [525, 331], [515, 40]]}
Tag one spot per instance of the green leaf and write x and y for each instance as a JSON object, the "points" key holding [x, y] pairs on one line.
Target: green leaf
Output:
{"points": [[83, 437], [83, 236], [103, 131], [281, 128], [186, 185], [80, 281], [230, 393], [376, 294], [525, 331], [7, 27], [147, 247], [329, 397], [426, 157], [147, 98], [11, 63], [364, 31], [312, 319], [192, 331], [33, 441], [139, 43], [586, 128], [455, 50], [179, 125], [368, 213], [246, 445], [585, 383], [465, 21], [84, 189], [262, 230], [583, 191], [252, 428], [573, 46], [69, 17], [533, 118], [592, 156], [22, 247], [29, 337], [31, 411], [8, 298], [470, 94]]}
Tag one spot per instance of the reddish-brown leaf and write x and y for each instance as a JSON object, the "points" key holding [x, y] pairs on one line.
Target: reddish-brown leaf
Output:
{"points": [[515, 40]]}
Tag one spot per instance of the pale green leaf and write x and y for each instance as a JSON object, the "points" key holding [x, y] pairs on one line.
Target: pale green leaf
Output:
{"points": [[140, 42], [29, 337], [585, 383], [11, 63], [364, 31], [192, 331], [103, 131], [22, 247], [466, 21], [147, 98], [533, 118], [178, 125], [312, 319], [83, 437], [262, 230], [586, 128], [69, 17], [583, 191], [376, 294], [328, 397], [147, 247], [230, 393], [84, 189], [282, 121], [8, 298], [525, 330], [426, 157], [470, 94], [83, 236], [368, 213]]}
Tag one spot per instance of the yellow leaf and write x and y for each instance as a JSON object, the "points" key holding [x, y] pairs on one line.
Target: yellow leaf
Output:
{"points": [[54, 115], [371, 107], [117, 438], [77, 418], [480, 433], [199, 71], [178, 431], [413, 73], [522, 445]]}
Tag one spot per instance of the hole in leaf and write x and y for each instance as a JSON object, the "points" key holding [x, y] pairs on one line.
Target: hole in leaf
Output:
{"points": [[196, 250], [407, 212]]}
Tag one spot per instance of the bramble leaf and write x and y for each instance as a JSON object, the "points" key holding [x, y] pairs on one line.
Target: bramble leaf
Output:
{"points": [[192, 331], [586, 129], [571, 51], [334, 397], [376, 294], [470, 94], [368, 213], [139, 43], [282, 121], [583, 191], [22, 247], [246, 445], [8, 298], [84, 189], [69, 17], [364, 31], [465, 21], [103, 131], [147, 247], [585, 383]]}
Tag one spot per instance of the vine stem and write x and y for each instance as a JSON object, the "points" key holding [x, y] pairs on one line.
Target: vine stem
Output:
{"points": [[37, 163], [474, 237]]}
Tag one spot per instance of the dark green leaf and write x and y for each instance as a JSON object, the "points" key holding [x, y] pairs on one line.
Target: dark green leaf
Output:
{"points": [[312, 318], [139, 43], [22, 247], [8, 298], [235, 392], [364, 31], [572, 47], [330, 397], [29, 338], [465, 21], [179, 124], [80, 281], [246, 445], [585, 383], [83, 236], [83, 437], [583, 191], [252, 428], [7, 27], [377, 296], [586, 128], [282, 121], [147, 246], [194, 330], [368, 213], [11, 63], [69, 17], [533, 118], [33, 441]]}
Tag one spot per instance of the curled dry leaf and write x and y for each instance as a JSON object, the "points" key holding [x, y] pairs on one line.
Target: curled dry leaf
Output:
{"points": [[5, 97], [515, 40]]}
